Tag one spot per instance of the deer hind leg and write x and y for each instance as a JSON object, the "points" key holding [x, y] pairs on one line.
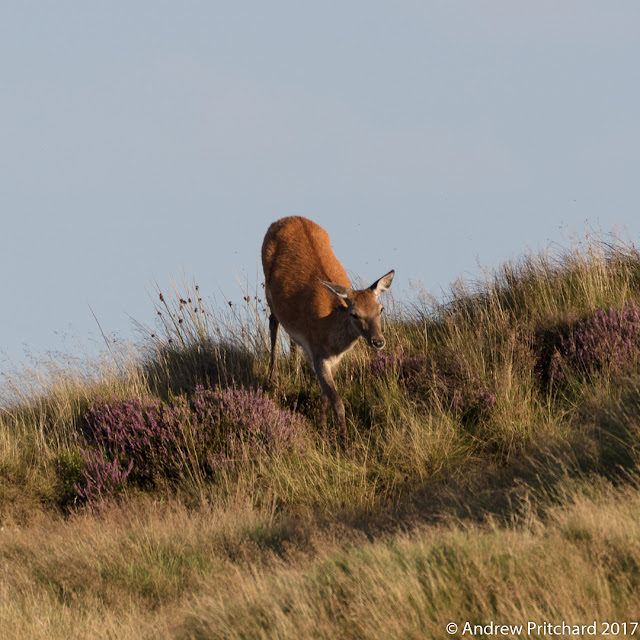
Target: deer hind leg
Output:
{"points": [[329, 394], [273, 363]]}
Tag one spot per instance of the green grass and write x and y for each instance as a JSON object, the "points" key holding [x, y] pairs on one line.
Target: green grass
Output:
{"points": [[475, 487]]}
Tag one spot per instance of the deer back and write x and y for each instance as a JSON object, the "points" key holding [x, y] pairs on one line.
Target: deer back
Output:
{"points": [[296, 257]]}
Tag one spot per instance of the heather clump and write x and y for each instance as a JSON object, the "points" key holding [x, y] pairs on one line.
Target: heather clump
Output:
{"points": [[460, 389], [397, 363], [442, 380], [247, 421], [474, 399], [146, 443], [608, 340]]}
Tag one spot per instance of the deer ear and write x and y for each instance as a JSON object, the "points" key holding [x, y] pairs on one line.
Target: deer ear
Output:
{"points": [[383, 284], [338, 290]]}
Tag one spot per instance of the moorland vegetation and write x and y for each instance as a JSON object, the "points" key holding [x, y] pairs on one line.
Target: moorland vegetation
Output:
{"points": [[491, 473]]}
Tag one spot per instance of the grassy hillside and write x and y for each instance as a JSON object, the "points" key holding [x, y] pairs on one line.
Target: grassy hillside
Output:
{"points": [[490, 475]]}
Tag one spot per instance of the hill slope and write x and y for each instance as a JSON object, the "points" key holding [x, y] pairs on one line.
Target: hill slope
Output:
{"points": [[491, 473]]}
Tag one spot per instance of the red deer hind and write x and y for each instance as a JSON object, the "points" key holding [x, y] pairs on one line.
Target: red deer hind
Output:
{"points": [[309, 294]]}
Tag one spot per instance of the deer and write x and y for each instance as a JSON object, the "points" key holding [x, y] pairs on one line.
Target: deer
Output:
{"points": [[309, 293]]}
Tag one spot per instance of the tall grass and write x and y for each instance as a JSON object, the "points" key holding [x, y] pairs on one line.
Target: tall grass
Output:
{"points": [[491, 427], [235, 571], [578, 564]]}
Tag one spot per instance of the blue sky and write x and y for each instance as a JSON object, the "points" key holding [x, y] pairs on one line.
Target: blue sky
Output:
{"points": [[142, 139]]}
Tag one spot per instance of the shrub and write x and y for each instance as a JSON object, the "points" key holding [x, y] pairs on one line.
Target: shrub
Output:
{"points": [[146, 442], [398, 363], [102, 478], [606, 341], [443, 377], [473, 400]]}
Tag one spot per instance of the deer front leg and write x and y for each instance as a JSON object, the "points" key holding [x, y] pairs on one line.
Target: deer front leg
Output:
{"points": [[329, 394]]}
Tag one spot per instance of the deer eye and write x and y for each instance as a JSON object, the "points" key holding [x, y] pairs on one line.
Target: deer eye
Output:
{"points": [[354, 315]]}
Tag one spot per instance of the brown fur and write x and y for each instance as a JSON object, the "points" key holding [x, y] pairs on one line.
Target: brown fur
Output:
{"points": [[309, 293]]}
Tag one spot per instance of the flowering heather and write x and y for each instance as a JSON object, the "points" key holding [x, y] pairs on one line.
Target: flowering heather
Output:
{"points": [[246, 421], [103, 479], [608, 340], [403, 365], [472, 399], [146, 442], [464, 393]]}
